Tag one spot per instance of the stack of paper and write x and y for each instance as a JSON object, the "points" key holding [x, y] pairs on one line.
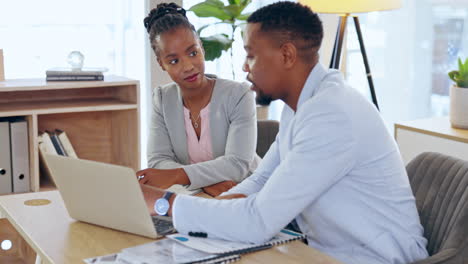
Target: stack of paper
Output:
{"points": [[163, 251]]}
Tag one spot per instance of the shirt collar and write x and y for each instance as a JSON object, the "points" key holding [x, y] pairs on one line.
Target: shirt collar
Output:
{"points": [[314, 79]]}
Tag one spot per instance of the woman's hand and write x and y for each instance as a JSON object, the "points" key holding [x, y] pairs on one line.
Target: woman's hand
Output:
{"points": [[162, 178], [218, 188]]}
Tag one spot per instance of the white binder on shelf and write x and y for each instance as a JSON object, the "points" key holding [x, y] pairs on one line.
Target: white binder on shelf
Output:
{"points": [[62, 136], [5, 158], [45, 144], [20, 156]]}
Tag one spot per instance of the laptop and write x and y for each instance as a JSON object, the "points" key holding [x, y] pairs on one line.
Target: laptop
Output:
{"points": [[106, 195]]}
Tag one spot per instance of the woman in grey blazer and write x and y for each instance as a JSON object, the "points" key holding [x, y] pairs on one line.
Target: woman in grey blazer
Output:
{"points": [[231, 119]]}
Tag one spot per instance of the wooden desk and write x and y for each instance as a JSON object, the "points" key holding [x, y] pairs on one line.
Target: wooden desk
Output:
{"points": [[57, 238], [431, 134]]}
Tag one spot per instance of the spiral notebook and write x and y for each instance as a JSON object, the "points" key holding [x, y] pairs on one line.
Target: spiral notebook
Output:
{"points": [[168, 251], [183, 249], [223, 247]]}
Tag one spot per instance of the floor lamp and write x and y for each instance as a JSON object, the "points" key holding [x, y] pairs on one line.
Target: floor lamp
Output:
{"points": [[345, 8]]}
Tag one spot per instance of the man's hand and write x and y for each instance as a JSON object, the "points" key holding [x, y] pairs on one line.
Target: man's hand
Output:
{"points": [[162, 178], [218, 188], [152, 194], [231, 196]]}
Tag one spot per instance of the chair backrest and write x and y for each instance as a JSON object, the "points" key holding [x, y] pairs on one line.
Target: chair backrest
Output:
{"points": [[266, 134], [440, 186]]}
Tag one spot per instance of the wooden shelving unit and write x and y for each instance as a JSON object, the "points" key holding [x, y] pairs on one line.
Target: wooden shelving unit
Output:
{"points": [[101, 118], [431, 134]]}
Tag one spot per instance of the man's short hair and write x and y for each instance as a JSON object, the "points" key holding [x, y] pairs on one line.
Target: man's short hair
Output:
{"points": [[290, 22]]}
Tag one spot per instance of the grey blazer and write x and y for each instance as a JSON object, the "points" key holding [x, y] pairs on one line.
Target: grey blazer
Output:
{"points": [[233, 134]]}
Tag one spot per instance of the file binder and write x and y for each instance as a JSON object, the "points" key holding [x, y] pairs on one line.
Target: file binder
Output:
{"points": [[223, 247], [20, 156], [5, 158], [57, 144], [45, 147], [63, 138], [45, 144]]}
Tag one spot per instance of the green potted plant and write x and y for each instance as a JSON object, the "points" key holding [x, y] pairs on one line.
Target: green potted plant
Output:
{"points": [[231, 14], [459, 96]]}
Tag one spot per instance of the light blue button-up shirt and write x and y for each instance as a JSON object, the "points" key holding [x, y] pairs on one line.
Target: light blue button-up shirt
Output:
{"points": [[336, 170]]}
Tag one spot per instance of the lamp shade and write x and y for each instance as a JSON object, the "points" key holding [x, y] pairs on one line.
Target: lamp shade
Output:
{"points": [[350, 6]]}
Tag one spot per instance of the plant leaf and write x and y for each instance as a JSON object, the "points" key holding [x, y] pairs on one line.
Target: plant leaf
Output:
{"points": [[460, 65], [200, 29], [464, 72], [244, 16], [233, 10], [236, 9], [214, 46], [453, 75], [210, 8], [245, 3], [230, 14], [463, 80]]}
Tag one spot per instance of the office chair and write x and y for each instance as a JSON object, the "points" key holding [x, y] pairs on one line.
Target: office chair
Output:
{"points": [[266, 135], [440, 186]]}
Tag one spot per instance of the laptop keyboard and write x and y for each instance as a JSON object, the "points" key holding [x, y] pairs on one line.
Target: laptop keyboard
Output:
{"points": [[163, 225]]}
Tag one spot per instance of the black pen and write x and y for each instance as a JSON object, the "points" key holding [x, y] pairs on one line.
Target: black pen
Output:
{"points": [[198, 234]]}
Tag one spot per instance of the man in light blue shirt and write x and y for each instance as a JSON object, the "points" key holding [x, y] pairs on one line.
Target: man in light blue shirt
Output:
{"points": [[333, 167]]}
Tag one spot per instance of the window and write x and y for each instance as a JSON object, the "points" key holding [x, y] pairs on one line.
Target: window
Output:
{"points": [[37, 35], [410, 52], [40, 35]]}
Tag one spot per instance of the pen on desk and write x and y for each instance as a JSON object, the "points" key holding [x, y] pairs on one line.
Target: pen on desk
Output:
{"points": [[198, 234]]}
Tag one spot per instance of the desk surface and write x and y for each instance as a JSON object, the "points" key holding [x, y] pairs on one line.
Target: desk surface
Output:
{"points": [[437, 126], [57, 238]]}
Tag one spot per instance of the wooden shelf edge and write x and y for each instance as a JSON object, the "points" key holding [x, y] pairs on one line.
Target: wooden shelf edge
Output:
{"points": [[115, 107], [41, 84], [430, 133]]}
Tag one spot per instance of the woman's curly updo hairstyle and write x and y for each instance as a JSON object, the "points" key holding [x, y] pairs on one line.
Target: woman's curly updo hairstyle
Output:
{"points": [[163, 18]]}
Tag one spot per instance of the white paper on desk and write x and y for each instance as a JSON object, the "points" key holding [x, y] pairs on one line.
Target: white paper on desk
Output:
{"points": [[182, 189], [163, 251], [107, 259], [218, 246], [129, 259]]}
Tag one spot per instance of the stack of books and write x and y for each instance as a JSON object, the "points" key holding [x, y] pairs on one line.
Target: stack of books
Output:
{"points": [[70, 74], [56, 143]]}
